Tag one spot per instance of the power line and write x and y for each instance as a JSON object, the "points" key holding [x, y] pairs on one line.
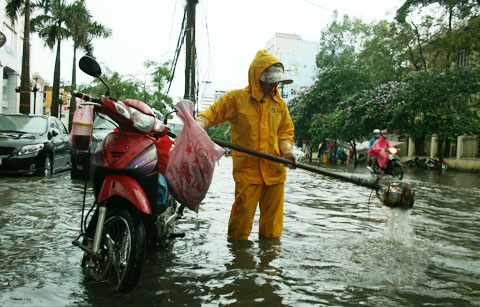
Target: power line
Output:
{"points": [[177, 51], [318, 5], [171, 28]]}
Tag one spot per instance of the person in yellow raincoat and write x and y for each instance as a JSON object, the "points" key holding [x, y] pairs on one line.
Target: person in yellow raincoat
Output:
{"points": [[259, 120]]}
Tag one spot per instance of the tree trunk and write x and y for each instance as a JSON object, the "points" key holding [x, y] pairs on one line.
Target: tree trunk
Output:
{"points": [[56, 82], [25, 77], [73, 104]]}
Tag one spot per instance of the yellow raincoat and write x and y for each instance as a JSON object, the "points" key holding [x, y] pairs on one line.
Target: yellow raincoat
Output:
{"points": [[259, 122]]}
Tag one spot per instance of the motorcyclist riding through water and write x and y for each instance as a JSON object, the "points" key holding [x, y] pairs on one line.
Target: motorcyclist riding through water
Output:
{"points": [[379, 149]]}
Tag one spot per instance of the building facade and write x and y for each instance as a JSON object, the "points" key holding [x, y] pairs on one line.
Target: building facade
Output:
{"points": [[299, 59], [11, 54], [10, 62]]}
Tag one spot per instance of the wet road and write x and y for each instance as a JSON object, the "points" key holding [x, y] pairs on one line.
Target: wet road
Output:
{"points": [[339, 247]]}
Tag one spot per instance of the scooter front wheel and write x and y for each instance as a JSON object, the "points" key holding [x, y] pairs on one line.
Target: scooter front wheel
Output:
{"points": [[122, 249], [397, 172]]}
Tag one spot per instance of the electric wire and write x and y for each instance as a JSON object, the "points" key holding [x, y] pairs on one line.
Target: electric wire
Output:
{"points": [[180, 41], [320, 6], [207, 72], [171, 27]]}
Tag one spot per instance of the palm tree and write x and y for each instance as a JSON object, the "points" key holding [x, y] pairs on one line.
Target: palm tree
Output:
{"points": [[50, 26], [82, 30], [12, 8]]}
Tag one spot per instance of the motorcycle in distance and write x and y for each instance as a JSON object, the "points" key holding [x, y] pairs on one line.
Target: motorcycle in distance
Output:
{"points": [[417, 162], [434, 164], [133, 209], [393, 168]]}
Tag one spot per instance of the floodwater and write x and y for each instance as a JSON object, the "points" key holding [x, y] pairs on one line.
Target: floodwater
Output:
{"points": [[340, 247]]}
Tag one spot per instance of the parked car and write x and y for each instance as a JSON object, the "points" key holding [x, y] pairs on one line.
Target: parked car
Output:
{"points": [[102, 125], [33, 145]]}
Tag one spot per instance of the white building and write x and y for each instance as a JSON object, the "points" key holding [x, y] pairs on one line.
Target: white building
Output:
{"points": [[11, 66], [210, 99], [299, 59], [10, 62]]}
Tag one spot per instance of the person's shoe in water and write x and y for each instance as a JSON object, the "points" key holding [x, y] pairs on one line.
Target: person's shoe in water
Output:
{"points": [[370, 168]]}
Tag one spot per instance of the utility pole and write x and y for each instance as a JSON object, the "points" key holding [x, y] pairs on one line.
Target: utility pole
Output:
{"points": [[190, 52]]}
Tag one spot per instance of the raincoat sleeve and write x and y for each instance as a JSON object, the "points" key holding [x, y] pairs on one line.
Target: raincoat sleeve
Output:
{"points": [[221, 111], [286, 128]]}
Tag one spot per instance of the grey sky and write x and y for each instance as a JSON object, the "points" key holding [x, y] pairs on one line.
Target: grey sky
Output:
{"points": [[228, 35]]}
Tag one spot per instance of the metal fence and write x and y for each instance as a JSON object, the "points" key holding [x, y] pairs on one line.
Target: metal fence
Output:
{"points": [[470, 147]]}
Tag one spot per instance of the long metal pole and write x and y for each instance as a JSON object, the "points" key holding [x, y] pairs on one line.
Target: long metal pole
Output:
{"points": [[190, 52], [308, 167]]}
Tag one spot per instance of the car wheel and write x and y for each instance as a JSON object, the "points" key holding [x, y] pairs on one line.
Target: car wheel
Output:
{"points": [[48, 167]]}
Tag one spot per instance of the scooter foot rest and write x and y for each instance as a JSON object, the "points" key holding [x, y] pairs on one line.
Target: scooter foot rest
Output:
{"points": [[87, 250]]}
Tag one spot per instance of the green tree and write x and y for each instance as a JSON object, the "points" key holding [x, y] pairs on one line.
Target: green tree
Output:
{"points": [[159, 77], [120, 87], [339, 77], [51, 27], [221, 132], [454, 27], [12, 9], [82, 31], [443, 103]]}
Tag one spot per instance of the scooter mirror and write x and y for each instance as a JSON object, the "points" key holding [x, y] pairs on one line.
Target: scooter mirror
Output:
{"points": [[90, 66]]}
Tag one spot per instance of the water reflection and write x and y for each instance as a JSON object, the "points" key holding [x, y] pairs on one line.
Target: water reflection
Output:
{"points": [[339, 247], [254, 279]]}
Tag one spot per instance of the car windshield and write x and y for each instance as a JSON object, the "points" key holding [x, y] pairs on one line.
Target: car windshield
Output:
{"points": [[23, 124], [104, 123]]}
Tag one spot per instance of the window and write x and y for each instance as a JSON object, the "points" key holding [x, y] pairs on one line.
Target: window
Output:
{"points": [[293, 69], [462, 60], [61, 127]]}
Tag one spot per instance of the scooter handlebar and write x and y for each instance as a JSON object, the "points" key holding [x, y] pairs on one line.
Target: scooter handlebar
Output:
{"points": [[87, 98]]}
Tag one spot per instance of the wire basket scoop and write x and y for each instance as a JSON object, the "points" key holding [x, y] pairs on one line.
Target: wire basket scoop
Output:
{"points": [[394, 195]]}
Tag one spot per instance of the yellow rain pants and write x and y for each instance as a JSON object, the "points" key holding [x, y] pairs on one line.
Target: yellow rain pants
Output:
{"points": [[247, 196]]}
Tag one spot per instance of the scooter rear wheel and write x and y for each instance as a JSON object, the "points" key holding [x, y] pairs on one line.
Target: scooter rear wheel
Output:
{"points": [[122, 249]]}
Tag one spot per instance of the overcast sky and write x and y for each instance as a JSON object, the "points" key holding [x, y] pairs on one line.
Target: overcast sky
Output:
{"points": [[229, 33]]}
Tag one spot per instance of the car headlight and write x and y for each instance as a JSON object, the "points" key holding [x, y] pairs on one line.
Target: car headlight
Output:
{"points": [[29, 149], [142, 121]]}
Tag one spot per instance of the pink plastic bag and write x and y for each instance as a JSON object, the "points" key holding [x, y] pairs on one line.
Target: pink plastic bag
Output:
{"points": [[192, 161], [82, 125]]}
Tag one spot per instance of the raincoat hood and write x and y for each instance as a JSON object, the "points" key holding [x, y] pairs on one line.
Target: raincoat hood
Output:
{"points": [[261, 61]]}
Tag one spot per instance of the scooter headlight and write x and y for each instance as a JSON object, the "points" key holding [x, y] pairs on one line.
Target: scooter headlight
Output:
{"points": [[122, 111], [142, 121]]}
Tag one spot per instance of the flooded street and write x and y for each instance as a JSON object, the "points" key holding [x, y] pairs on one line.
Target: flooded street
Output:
{"points": [[339, 247]]}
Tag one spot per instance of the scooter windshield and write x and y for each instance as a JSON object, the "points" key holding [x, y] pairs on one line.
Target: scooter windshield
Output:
{"points": [[142, 121]]}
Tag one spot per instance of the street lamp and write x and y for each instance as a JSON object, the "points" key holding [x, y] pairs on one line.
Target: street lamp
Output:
{"points": [[35, 76], [60, 101]]}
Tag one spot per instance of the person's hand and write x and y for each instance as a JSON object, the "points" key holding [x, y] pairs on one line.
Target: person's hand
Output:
{"points": [[287, 152], [202, 122], [291, 156]]}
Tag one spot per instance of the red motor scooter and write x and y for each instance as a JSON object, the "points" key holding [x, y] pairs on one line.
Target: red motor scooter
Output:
{"points": [[132, 206]]}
